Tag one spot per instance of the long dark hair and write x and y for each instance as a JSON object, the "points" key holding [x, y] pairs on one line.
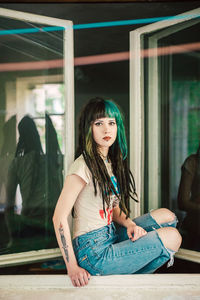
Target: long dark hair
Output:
{"points": [[54, 161], [95, 109], [29, 141]]}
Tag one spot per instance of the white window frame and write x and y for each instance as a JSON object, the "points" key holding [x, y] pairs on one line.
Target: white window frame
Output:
{"points": [[68, 80], [137, 109]]}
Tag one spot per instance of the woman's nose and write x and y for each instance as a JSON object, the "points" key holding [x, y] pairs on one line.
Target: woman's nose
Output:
{"points": [[106, 128]]}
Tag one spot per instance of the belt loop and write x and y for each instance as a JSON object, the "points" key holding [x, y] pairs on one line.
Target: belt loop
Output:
{"points": [[76, 241], [111, 228]]}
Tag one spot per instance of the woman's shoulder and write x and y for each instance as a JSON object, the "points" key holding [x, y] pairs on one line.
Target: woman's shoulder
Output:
{"points": [[80, 168], [190, 163], [79, 161]]}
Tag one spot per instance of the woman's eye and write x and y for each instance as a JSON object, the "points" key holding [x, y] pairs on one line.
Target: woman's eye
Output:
{"points": [[112, 123], [98, 124]]}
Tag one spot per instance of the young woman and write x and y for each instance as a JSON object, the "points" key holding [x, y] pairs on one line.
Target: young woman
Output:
{"points": [[98, 187]]}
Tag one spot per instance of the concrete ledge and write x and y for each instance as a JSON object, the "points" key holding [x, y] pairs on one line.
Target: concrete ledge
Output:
{"points": [[116, 281], [120, 287]]}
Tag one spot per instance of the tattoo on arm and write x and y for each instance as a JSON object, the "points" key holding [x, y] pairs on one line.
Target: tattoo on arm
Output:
{"points": [[63, 240]]}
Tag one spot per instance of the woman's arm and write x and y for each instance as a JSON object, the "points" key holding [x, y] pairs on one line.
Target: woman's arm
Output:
{"points": [[72, 187], [134, 232]]}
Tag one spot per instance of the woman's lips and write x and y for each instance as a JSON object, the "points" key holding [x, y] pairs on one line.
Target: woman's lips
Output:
{"points": [[107, 138]]}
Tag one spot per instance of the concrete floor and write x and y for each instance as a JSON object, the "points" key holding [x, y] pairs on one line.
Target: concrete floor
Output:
{"points": [[137, 287]]}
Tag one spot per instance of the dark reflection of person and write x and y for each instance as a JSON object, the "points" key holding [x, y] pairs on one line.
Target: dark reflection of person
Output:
{"points": [[189, 200], [54, 165], [6, 156], [39, 177], [28, 171]]}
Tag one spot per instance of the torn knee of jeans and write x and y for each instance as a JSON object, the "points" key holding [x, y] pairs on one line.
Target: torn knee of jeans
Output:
{"points": [[169, 223], [174, 221], [171, 260], [154, 219]]}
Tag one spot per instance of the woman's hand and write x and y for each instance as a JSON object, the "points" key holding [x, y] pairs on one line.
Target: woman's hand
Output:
{"points": [[79, 276], [135, 232]]}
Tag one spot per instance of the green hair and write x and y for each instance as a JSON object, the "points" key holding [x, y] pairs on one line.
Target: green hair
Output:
{"points": [[112, 111], [88, 142]]}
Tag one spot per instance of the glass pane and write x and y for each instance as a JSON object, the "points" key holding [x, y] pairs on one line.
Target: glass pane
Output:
{"points": [[179, 129], [185, 139], [31, 133]]}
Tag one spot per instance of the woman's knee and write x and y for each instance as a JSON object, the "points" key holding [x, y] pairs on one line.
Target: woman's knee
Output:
{"points": [[163, 215], [170, 237]]}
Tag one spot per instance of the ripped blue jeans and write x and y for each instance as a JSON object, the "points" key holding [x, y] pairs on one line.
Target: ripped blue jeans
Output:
{"points": [[108, 250]]}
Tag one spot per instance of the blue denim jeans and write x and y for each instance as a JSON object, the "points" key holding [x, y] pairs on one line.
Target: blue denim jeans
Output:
{"points": [[108, 250]]}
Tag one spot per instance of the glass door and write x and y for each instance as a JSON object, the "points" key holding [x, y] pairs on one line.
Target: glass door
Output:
{"points": [[36, 127], [165, 109]]}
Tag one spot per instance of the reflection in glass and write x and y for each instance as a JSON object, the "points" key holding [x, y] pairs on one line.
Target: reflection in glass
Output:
{"points": [[189, 201], [39, 177], [184, 138], [172, 127], [54, 167], [32, 145], [28, 170], [6, 157]]}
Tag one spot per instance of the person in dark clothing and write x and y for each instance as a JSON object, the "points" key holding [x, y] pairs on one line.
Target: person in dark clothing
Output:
{"points": [[189, 200]]}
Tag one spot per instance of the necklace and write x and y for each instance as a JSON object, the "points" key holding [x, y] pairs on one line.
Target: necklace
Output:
{"points": [[107, 163], [105, 158]]}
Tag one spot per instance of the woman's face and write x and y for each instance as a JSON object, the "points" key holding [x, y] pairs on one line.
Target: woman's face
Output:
{"points": [[104, 132]]}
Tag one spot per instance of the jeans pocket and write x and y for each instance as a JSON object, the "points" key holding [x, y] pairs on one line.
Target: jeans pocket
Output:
{"points": [[85, 263], [99, 244], [80, 250], [82, 245], [101, 239]]}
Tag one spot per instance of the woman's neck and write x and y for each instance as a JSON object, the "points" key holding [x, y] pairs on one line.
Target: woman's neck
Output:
{"points": [[103, 152]]}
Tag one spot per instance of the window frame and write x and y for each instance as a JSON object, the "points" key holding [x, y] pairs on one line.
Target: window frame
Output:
{"points": [[68, 80], [137, 113]]}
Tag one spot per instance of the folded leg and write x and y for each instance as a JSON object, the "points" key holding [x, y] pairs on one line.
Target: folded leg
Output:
{"points": [[146, 221]]}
